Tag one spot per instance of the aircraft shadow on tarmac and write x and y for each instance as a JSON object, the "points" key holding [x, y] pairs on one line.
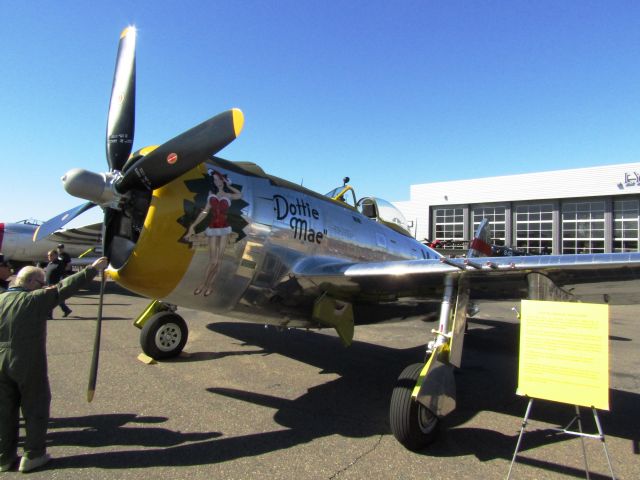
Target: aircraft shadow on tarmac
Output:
{"points": [[124, 430], [354, 405], [205, 356], [118, 429]]}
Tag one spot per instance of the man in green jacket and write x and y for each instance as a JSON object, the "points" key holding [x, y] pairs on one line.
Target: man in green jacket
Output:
{"points": [[24, 382]]}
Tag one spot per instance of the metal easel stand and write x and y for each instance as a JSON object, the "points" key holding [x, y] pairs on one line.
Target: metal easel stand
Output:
{"points": [[577, 419]]}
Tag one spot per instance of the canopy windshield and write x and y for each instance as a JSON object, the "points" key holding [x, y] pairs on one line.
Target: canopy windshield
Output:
{"points": [[387, 212]]}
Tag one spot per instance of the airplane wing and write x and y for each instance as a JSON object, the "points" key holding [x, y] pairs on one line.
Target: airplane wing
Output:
{"points": [[56, 223], [88, 234], [609, 278]]}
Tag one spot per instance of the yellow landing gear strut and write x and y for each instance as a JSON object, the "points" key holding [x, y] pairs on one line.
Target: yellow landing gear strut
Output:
{"points": [[424, 393]]}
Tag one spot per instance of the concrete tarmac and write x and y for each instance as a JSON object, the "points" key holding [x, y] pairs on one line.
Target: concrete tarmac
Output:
{"points": [[247, 401]]}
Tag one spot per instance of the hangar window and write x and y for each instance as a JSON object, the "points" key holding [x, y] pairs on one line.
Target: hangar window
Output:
{"points": [[449, 223], [625, 225], [534, 228], [583, 227], [497, 221]]}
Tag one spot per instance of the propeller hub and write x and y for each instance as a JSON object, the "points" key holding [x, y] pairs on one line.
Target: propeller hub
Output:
{"points": [[95, 187]]}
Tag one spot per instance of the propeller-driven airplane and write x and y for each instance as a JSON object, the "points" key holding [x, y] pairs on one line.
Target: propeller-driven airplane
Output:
{"points": [[187, 228], [17, 245]]}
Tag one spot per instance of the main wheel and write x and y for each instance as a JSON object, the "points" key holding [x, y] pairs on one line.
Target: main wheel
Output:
{"points": [[164, 335], [413, 425]]}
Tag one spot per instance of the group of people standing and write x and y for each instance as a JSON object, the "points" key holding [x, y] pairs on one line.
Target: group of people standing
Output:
{"points": [[25, 307]]}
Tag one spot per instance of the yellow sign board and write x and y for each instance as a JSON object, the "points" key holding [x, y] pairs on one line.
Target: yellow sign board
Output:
{"points": [[564, 352]]}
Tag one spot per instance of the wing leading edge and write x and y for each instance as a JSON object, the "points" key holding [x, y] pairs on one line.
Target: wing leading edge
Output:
{"points": [[601, 278]]}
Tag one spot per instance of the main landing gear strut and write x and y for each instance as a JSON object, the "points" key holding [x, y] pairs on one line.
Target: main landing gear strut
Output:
{"points": [[424, 393]]}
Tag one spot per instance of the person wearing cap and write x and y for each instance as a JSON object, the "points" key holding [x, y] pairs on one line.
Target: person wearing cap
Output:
{"points": [[53, 273], [24, 382], [65, 260], [5, 273]]}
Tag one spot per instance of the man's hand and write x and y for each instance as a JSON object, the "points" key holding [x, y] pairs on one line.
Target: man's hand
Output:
{"points": [[101, 263]]}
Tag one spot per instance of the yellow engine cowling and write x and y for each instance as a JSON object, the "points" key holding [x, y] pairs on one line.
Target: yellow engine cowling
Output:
{"points": [[159, 260]]}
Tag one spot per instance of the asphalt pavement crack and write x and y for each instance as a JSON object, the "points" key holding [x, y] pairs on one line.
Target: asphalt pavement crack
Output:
{"points": [[357, 459]]}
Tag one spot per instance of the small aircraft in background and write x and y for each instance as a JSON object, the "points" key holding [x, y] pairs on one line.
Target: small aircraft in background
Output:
{"points": [[18, 246], [187, 228]]}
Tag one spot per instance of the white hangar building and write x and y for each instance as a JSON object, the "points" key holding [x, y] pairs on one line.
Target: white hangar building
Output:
{"points": [[582, 210]]}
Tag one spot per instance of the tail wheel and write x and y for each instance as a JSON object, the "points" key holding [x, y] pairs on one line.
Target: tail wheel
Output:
{"points": [[164, 335], [413, 425]]}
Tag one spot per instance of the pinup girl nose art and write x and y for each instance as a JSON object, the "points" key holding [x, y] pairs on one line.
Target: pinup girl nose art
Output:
{"points": [[218, 230]]}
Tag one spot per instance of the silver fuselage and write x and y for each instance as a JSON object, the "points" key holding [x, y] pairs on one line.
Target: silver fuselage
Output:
{"points": [[16, 243], [282, 227]]}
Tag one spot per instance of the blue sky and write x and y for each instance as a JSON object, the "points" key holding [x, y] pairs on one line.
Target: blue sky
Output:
{"points": [[390, 93]]}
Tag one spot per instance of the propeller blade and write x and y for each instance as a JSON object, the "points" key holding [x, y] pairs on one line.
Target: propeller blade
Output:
{"points": [[121, 119], [59, 221], [182, 153], [93, 372]]}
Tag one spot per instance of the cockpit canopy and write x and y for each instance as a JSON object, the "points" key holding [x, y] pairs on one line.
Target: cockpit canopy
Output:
{"points": [[382, 211], [375, 208], [30, 221], [344, 194]]}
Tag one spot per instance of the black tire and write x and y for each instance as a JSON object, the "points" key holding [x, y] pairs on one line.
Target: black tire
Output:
{"points": [[164, 335], [413, 425]]}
